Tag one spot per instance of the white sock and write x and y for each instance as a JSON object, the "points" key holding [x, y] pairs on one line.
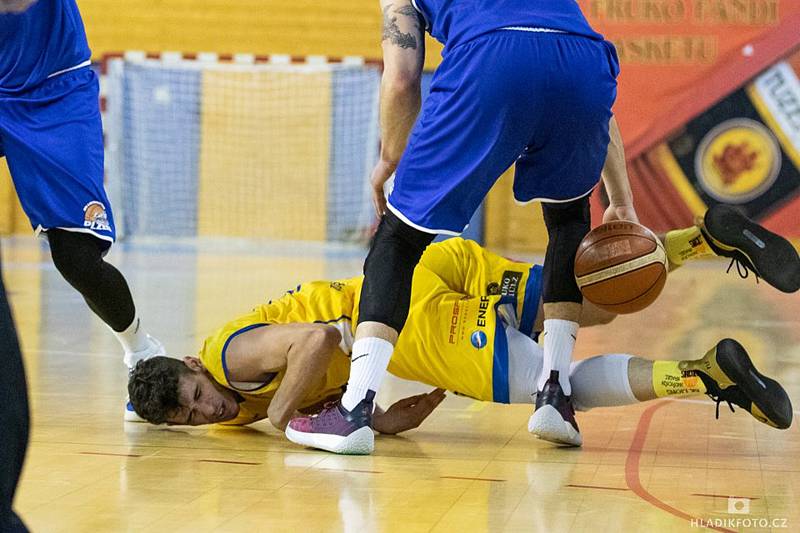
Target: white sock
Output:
{"points": [[601, 381], [524, 366], [559, 341], [134, 338], [369, 360]]}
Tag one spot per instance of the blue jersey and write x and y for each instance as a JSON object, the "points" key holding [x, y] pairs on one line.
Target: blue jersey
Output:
{"points": [[452, 22], [47, 38]]}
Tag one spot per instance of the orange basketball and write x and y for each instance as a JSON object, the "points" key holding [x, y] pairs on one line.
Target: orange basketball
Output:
{"points": [[621, 267]]}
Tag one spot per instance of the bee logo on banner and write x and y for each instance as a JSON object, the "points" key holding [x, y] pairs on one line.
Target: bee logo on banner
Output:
{"points": [[737, 161], [745, 149]]}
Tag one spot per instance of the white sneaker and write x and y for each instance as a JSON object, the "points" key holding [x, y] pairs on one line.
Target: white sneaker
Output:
{"points": [[554, 417], [130, 413], [154, 348]]}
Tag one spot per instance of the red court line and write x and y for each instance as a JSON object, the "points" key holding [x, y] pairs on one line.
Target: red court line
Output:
{"points": [[226, 462], [595, 487], [111, 454], [471, 478], [632, 468]]}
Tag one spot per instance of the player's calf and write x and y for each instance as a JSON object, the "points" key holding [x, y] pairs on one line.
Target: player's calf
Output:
{"points": [[79, 259], [567, 223], [725, 373]]}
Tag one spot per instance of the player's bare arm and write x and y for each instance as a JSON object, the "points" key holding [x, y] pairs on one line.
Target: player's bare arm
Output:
{"points": [[615, 178], [304, 352], [403, 42], [301, 351]]}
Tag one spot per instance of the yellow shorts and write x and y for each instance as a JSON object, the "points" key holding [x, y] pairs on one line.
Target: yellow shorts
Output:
{"points": [[455, 337]]}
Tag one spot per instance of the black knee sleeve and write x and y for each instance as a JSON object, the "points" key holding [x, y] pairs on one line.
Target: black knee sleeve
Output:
{"points": [[79, 258], [567, 224], [388, 271]]}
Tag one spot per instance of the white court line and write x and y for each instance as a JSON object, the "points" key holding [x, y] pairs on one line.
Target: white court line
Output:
{"points": [[67, 352]]}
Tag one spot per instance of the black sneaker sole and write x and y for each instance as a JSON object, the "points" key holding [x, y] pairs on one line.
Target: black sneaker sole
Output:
{"points": [[734, 235], [766, 393]]}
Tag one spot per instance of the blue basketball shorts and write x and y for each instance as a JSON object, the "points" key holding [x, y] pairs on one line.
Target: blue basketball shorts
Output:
{"points": [[540, 99], [52, 138]]}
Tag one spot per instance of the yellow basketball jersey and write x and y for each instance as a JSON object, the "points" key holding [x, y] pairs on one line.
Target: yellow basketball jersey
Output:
{"points": [[318, 301], [453, 337]]}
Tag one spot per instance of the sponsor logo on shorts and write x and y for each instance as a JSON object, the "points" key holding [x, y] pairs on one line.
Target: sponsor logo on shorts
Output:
{"points": [[337, 285], [510, 283], [95, 217], [738, 160], [478, 339]]}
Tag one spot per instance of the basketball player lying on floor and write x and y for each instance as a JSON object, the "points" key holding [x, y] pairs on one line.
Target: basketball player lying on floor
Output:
{"points": [[469, 331]]}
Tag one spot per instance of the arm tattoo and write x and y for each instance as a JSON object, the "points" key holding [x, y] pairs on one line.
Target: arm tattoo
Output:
{"points": [[392, 32], [408, 11]]}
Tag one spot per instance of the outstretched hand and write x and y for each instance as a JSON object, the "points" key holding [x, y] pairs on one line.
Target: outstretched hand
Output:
{"points": [[407, 413]]}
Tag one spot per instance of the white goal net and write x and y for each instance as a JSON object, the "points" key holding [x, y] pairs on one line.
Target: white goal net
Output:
{"points": [[241, 149]]}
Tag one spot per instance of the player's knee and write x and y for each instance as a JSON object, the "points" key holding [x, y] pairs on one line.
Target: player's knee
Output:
{"points": [[411, 240], [567, 224], [389, 270], [567, 216], [76, 256]]}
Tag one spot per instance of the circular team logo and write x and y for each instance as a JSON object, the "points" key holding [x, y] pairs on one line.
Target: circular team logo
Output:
{"points": [[94, 217], [737, 161], [478, 339]]}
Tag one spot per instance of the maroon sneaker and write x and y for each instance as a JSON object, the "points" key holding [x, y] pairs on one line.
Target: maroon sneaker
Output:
{"points": [[554, 417], [337, 430]]}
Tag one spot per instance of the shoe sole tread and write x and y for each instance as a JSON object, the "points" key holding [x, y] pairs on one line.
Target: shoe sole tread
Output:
{"points": [[734, 360], [359, 442], [726, 226], [547, 424]]}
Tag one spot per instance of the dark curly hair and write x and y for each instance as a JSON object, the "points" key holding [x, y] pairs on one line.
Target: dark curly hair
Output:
{"points": [[153, 387]]}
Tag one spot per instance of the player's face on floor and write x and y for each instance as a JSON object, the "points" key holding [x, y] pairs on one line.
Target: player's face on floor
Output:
{"points": [[203, 401]]}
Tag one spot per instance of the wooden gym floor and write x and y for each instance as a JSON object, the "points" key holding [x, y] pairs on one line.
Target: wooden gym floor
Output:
{"points": [[660, 466]]}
